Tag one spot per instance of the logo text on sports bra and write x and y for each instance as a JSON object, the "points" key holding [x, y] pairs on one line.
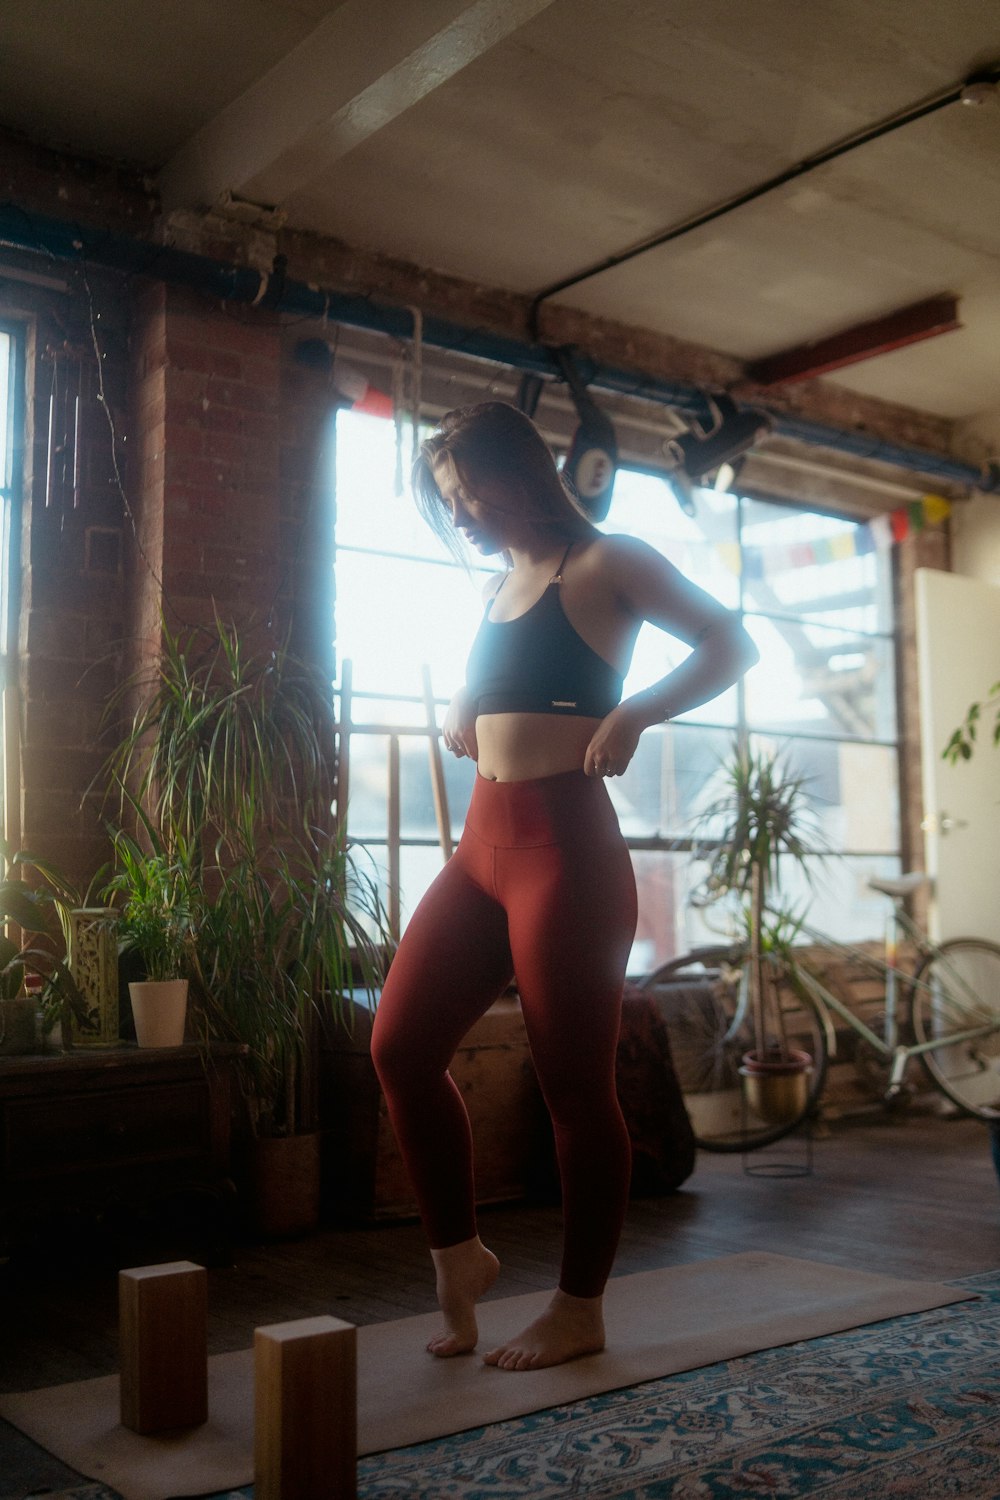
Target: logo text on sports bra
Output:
{"points": [[563, 703]]}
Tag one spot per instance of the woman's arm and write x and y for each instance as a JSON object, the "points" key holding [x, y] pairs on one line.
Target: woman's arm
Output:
{"points": [[650, 588], [459, 729]]}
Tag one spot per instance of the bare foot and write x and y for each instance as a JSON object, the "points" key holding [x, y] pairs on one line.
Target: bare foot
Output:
{"points": [[569, 1327], [464, 1273]]}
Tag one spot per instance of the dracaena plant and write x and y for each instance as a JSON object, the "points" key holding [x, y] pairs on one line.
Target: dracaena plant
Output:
{"points": [[762, 818], [228, 769]]}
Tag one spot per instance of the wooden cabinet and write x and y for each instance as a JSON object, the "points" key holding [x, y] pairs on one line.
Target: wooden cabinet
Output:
{"points": [[120, 1135]]}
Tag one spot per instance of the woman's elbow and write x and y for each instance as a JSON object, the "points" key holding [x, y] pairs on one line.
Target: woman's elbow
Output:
{"points": [[741, 652], [747, 651]]}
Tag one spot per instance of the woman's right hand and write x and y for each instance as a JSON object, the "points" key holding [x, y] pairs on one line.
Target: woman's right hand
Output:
{"points": [[459, 732]]}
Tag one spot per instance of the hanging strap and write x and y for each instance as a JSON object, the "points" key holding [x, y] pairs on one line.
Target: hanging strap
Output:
{"points": [[557, 575]]}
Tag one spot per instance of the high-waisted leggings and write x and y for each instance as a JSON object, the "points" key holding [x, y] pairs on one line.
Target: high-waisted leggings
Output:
{"points": [[540, 888]]}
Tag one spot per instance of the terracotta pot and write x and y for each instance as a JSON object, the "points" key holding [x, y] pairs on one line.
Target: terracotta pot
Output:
{"points": [[159, 1009], [284, 1181], [776, 1086]]}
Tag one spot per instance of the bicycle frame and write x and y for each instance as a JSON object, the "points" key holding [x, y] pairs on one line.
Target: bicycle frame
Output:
{"points": [[827, 1005]]}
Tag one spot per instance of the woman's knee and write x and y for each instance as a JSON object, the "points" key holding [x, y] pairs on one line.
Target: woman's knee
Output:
{"points": [[394, 1053]]}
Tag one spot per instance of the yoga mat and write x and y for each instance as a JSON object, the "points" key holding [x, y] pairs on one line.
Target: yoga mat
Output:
{"points": [[659, 1323]]}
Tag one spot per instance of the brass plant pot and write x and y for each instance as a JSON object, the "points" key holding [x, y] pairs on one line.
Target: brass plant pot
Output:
{"points": [[776, 1088]]}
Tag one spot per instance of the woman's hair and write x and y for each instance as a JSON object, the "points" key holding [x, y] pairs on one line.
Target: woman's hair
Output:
{"points": [[496, 445]]}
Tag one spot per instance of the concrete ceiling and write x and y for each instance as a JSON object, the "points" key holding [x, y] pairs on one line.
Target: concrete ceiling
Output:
{"points": [[516, 143]]}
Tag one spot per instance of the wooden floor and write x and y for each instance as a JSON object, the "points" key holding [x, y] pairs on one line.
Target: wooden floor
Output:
{"points": [[913, 1196]]}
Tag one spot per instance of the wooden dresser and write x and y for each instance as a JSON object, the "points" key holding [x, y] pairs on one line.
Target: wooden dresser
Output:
{"points": [[118, 1140]]}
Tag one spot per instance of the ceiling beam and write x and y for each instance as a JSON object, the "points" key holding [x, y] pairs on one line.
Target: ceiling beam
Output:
{"points": [[921, 320], [365, 64]]}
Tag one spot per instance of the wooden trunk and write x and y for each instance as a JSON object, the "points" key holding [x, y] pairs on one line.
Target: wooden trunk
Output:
{"points": [[364, 1175]]}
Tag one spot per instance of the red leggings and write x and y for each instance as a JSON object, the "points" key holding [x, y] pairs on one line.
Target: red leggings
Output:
{"points": [[540, 887]]}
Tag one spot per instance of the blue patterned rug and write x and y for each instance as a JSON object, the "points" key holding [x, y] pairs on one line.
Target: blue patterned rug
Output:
{"points": [[903, 1410]]}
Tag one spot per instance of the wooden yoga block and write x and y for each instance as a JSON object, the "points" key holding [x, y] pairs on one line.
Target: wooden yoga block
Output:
{"points": [[163, 1321], [305, 1410]]}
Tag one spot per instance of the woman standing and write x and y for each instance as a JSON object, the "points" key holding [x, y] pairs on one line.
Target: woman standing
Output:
{"points": [[540, 887]]}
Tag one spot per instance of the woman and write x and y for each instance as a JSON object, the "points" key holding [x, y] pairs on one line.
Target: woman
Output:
{"points": [[540, 887]]}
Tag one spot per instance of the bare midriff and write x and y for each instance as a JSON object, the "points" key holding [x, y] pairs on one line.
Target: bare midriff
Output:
{"points": [[523, 747]]}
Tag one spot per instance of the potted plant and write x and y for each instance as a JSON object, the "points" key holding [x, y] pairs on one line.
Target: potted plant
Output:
{"points": [[154, 901], [962, 742], [762, 817], [36, 978], [230, 757]]}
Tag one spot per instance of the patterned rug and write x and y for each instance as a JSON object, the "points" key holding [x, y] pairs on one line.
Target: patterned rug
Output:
{"points": [[903, 1410]]}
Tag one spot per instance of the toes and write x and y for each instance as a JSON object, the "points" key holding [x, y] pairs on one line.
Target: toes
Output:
{"points": [[447, 1344], [510, 1359]]}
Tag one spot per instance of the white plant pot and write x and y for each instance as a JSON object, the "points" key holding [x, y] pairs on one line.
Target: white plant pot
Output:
{"points": [[159, 1008]]}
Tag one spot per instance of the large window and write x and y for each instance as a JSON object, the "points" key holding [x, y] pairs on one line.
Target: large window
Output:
{"points": [[813, 592], [10, 403]]}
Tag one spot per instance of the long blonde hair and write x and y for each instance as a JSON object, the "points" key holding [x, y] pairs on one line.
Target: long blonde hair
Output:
{"points": [[495, 443]]}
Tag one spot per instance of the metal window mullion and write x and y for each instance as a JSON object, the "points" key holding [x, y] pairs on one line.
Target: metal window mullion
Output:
{"points": [[393, 839]]}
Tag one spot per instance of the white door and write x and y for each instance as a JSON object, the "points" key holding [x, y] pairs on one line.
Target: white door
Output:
{"points": [[958, 659]]}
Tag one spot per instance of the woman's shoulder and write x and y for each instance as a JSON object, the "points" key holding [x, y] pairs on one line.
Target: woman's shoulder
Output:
{"points": [[611, 553], [492, 586]]}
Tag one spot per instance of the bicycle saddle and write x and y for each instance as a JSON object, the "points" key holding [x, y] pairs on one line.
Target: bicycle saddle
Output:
{"points": [[903, 885]]}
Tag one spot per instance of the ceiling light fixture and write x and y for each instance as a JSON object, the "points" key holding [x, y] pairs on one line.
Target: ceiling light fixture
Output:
{"points": [[592, 460], [700, 452]]}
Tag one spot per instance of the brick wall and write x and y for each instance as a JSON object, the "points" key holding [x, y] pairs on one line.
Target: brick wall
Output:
{"points": [[71, 583], [225, 449], [225, 505], [225, 459]]}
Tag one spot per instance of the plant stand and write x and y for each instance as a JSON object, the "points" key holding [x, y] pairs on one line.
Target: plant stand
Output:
{"points": [[782, 1159]]}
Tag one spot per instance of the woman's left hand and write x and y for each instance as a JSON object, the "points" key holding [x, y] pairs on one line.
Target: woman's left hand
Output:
{"points": [[614, 742]]}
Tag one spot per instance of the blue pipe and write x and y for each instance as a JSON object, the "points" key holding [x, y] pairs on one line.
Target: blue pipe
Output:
{"points": [[80, 244]]}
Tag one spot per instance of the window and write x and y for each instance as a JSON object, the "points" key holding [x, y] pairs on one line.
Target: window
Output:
{"points": [[10, 407], [814, 593]]}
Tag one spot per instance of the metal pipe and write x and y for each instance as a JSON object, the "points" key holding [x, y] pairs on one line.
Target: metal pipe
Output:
{"points": [[953, 94], [85, 245]]}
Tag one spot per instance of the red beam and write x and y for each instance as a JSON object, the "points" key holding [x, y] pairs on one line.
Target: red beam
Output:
{"points": [[921, 320]]}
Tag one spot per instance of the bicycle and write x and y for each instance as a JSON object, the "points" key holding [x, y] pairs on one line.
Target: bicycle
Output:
{"points": [[952, 1022]]}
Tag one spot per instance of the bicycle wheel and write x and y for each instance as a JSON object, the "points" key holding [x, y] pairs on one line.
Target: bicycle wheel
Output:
{"points": [[956, 990], [699, 997]]}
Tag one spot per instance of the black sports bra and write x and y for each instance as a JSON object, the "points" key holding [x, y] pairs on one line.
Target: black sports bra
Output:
{"points": [[538, 664]]}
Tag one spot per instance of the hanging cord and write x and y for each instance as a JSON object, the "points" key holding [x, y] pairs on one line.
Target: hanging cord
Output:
{"points": [[398, 408], [416, 381]]}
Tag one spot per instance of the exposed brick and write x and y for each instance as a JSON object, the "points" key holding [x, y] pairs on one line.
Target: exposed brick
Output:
{"points": [[185, 468], [251, 340], [56, 678], [227, 419], [54, 724]]}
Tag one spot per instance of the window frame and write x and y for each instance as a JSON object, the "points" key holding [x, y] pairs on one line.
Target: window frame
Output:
{"points": [[667, 841], [11, 516]]}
